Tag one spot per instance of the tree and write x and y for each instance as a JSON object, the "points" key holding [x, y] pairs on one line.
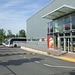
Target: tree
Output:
{"points": [[2, 35], [16, 35], [22, 33], [9, 35]]}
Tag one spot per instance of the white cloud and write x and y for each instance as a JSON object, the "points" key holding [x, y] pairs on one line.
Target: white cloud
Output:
{"points": [[11, 3], [14, 13], [32, 6]]}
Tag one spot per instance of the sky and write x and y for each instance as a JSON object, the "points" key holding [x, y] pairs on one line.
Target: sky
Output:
{"points": [[14, 13]]}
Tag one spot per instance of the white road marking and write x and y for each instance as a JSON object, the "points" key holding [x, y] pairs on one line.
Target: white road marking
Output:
{"points": [[15, 52], [24, 57], [21, 55], [37, 61], [11, 50], [47, 65], [58, 66]]}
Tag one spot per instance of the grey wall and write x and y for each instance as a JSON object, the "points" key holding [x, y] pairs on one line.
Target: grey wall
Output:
{"points": [[36, 25], [37, 44]]}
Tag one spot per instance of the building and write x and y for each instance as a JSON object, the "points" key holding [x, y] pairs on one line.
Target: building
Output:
{"points": [[56, 22]]}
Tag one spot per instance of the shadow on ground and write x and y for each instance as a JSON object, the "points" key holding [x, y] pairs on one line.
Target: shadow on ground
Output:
{"points": [[20, 61], [72, 73]]}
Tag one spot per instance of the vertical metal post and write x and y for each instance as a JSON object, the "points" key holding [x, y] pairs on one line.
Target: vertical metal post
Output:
{"points": [[53, 42], [68, 44], [71, 33], [64, 44], [71, 42], [59, 50]]}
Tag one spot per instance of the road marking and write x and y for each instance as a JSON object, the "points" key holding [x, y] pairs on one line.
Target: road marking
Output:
{"points": [[10, 54], [33, 53], [28, 53], [68, 59], [3, 54], [24, 57], [47, 65], [21, 55], [37, 61], [15, 52], [58, 66]]}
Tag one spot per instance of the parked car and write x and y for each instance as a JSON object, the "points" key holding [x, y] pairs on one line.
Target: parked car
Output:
{"points": [[1, 44]]}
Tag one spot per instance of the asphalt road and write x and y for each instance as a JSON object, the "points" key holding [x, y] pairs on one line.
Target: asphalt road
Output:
{"points": [[15, 61]]}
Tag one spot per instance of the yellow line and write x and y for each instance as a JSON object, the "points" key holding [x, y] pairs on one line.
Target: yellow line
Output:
{"points": [[68, 59], [28, 53], [10, 54], [33, 53], [22, 53], [3, 54]]}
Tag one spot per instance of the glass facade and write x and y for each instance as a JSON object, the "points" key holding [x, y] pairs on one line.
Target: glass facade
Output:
{"points": [[62, 44], [63, 28], [60, 24], [51, 26], [73, 44], [73, 21], [67, 22], [56, 26]]}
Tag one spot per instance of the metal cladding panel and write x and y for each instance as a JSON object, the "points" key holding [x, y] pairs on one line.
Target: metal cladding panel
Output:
{"points": [[61, 11], [36, 29], [36, 25]]}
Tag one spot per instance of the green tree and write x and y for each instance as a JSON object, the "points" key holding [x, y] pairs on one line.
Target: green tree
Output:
{"points": [[17, 35], [2, 35], [22, 33], [9, 35]]}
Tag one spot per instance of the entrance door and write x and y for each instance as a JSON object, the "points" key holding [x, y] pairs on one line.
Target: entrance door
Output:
{"points": [[56, 41], [65, 44], [68, 44], [73, 43], [62, 44]]}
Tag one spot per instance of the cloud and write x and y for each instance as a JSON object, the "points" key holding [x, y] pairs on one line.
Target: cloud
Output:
{"points": [[14, 13], [32, 6], [11, 3]]}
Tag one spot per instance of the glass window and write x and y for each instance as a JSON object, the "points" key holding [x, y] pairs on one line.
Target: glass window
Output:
{"points": [[73, 33], [56, 41], [48, 29], [51, 42], [61, 34], [67, 23], [61, 24], [62, 44], [51, 26], [73, 44], [67, 34], [73, 21], [56, 26]]}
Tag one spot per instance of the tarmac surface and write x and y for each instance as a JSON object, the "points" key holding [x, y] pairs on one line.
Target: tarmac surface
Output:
{"points": [[64, 56], [16, 61]]}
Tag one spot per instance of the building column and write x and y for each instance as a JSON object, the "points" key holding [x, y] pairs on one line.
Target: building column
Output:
{"points": [[65, 44], [71, 43], [59, 50]]}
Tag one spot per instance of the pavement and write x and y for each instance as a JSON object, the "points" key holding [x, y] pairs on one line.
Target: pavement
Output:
{"points": [[64, 56]]}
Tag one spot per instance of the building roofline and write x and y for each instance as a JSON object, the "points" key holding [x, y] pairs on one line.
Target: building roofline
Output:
{"points": [[41, 9]]}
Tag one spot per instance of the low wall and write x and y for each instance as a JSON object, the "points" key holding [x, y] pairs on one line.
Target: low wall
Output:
{"points": [[42, 44]]}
